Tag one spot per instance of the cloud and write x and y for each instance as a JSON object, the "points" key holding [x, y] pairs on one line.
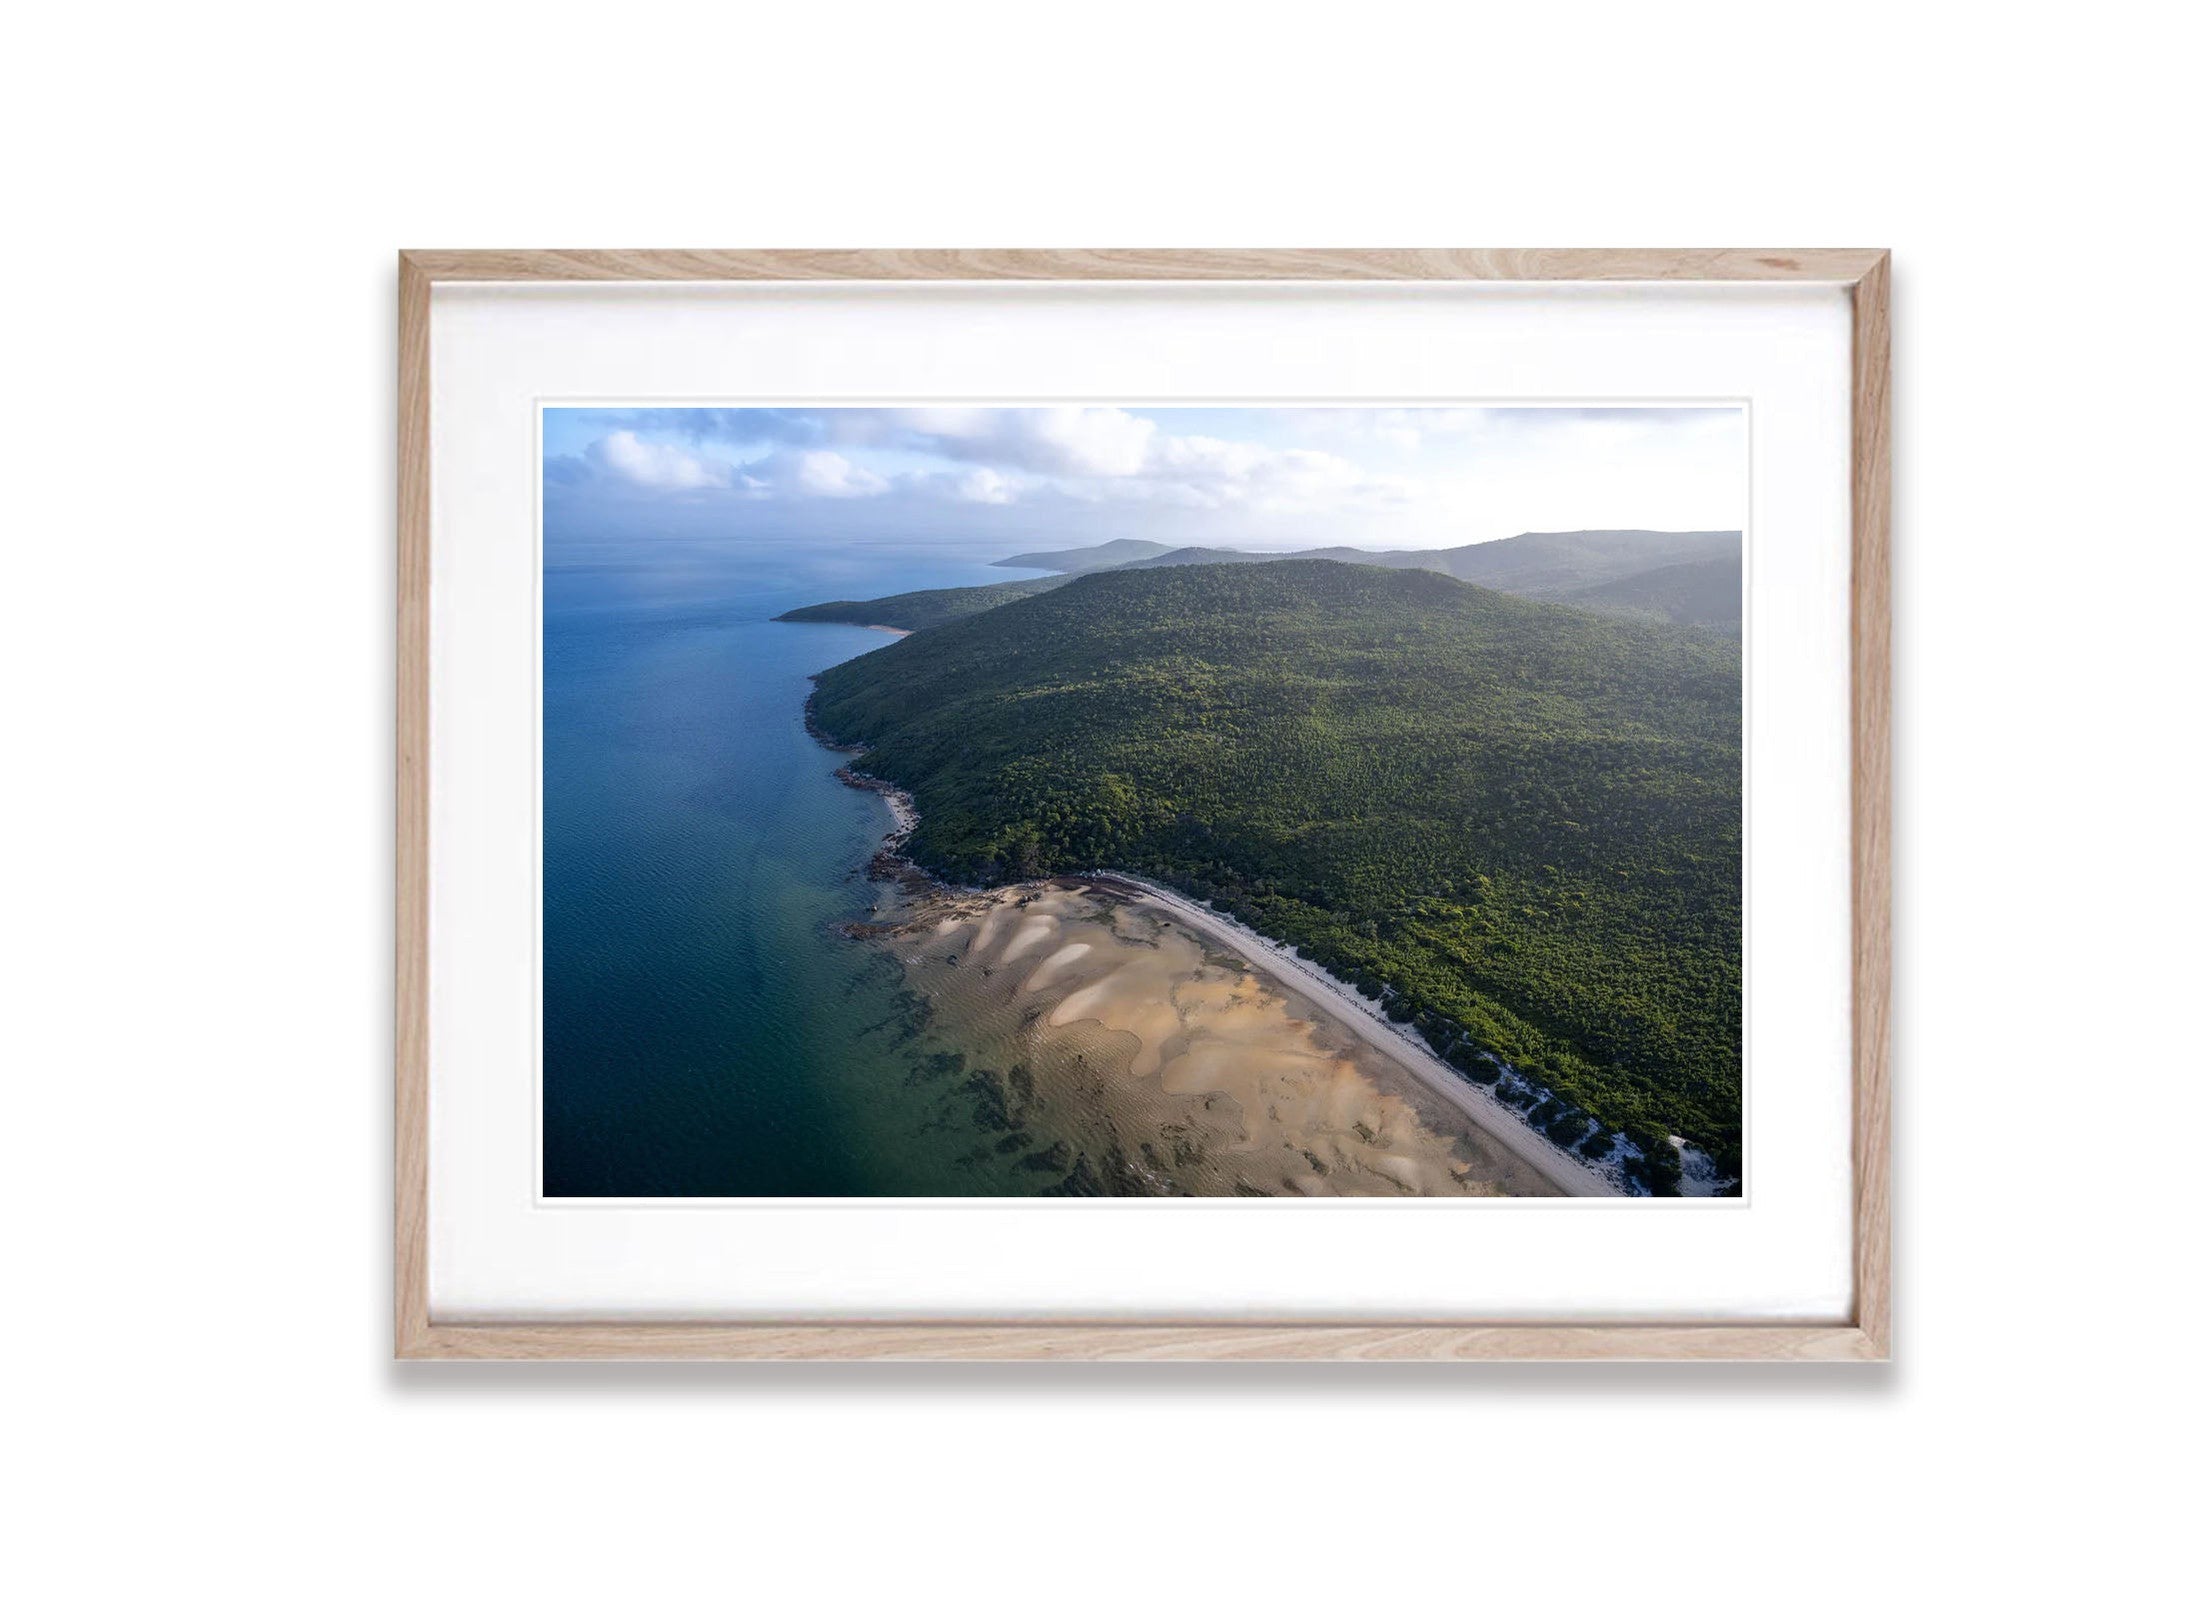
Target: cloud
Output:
{"points": [[710, 424], [1098, 453], [1345, 474], [1087, 453], [624, 458], [1071, 440], [984, 486], [1196, 470], [980, 485], [1409, 427], [1103, 441], [810, 475], [652, 464]]}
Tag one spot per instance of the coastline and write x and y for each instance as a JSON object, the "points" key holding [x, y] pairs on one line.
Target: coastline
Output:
{"points": [[1123, 1051], [1322, 991], [900, 803], [1326, 993], [889, 864]]}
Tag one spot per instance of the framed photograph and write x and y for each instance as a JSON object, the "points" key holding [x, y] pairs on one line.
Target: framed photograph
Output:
{"points": [[1272, 804]]}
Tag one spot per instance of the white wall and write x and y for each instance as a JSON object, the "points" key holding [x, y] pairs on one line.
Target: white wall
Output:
{"points": [[197, 671]]}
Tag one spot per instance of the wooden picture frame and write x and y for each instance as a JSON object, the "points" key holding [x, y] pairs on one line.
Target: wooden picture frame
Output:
{"points": [[1863, 1335]]}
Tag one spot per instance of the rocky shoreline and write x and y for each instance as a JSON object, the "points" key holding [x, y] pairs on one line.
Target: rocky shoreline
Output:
{"points": [[889, 865]]}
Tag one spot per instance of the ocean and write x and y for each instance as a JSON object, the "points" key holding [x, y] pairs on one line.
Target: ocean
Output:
{"points": [[705, 1032]]}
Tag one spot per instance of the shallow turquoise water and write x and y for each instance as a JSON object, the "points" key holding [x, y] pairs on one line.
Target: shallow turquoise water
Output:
{"points": [[704, 1033]]}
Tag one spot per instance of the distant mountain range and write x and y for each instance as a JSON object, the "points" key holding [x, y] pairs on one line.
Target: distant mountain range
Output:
{"points": [[1688, 577], [1567, 567], [1702, 593]]}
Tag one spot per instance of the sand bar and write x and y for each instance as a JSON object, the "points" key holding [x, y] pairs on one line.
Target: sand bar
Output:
{"points": [[1344, 1007], [1137, 1053]]}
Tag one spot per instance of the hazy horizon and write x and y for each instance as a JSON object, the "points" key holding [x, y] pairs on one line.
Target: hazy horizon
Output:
{"points": [[1018, 478]]}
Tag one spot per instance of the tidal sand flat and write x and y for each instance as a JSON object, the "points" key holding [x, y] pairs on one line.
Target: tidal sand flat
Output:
{"points": [[1137, 1056]]}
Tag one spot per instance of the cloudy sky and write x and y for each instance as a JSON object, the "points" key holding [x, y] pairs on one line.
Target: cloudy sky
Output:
{"points": [[1265, 477]]}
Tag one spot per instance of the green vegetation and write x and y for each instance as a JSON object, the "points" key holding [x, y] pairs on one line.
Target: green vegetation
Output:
{"points": [[922, 608], [1518, 825], [1700, 593], [1677, 577]]}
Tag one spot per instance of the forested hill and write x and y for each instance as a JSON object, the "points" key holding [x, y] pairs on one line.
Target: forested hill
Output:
{"points": [[1540, 563], [1091, 558], [1700, 593], [1520, 822], [922, 608], [1679, 577]]}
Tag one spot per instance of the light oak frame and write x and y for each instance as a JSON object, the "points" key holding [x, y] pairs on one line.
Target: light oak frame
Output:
{"points": [[1862, 1336]]}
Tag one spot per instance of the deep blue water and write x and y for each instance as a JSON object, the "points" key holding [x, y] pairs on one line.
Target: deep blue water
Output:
{"points": [[704, 1033]]}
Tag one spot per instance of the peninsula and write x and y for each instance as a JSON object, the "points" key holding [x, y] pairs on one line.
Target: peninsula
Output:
{"points": [[1510, 829]]}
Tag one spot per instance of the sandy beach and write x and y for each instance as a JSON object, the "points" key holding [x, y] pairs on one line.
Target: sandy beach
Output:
{"points": [[1143, 1054], [1348, 1009]]}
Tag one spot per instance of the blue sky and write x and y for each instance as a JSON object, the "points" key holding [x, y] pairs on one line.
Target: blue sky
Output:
{"points": [[1253, 477]]}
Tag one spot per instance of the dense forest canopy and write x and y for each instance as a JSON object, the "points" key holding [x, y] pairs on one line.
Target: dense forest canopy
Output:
{"points": [[1516, 823], [922, 608]]}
